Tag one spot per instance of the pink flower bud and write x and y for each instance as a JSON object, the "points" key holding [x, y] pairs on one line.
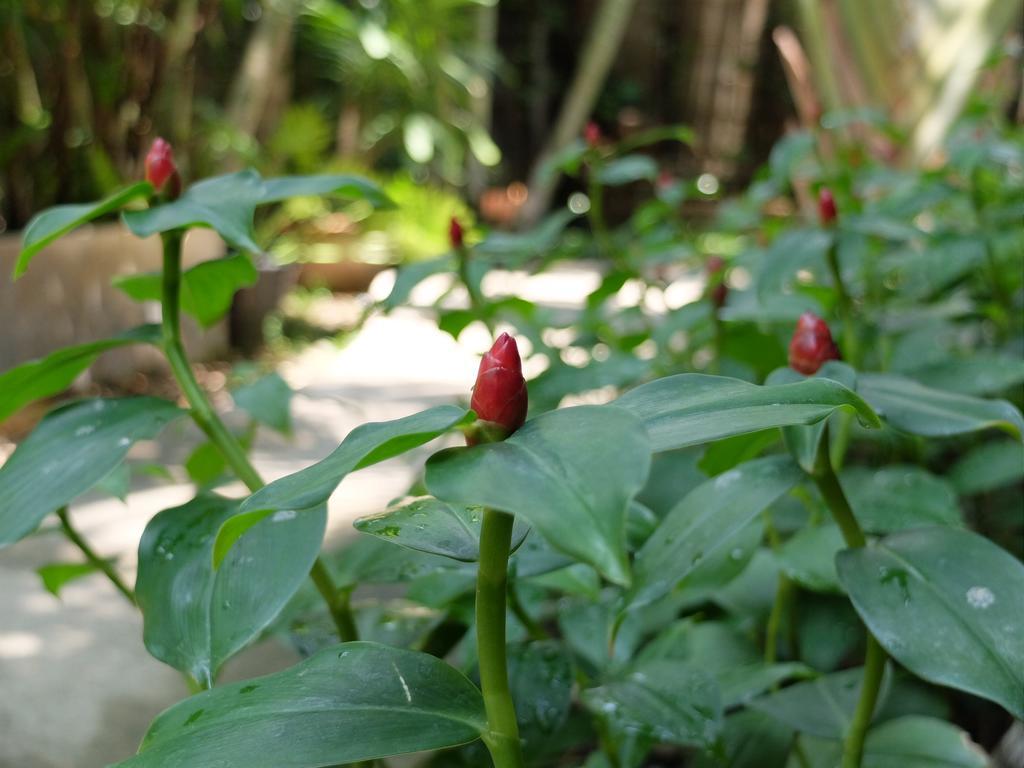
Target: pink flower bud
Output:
{"points": [[160, 167], [812, 345], [455, 233], [592, 134], [499, 396], [827, 213], [717, 289]]}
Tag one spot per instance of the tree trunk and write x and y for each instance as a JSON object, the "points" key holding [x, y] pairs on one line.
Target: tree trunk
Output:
{"points": [[592, 69]]}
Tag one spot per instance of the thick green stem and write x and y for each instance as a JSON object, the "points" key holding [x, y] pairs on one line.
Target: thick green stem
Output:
{"points": [[851, 344], [596, 212], [210, 423], [874, 662], [94, 559], [337, 601], [502, 736]]}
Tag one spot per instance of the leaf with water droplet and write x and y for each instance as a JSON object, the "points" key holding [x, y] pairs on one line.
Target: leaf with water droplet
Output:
{"points": [[31, 486], [451, 530], [947, 604]]}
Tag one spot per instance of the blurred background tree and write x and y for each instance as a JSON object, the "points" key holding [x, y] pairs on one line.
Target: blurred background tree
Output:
{"points": [[431, 89]]}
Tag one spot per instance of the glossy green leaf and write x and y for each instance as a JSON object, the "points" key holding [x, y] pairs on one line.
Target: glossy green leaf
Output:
{"points": [[804, 442], [338, 184], [541, 678], [571, 473], [206, 465], [947, 605], [351, 702], [207, 289], [365, 445], [822, 707], [729, 452], [808, 558], [411, 275], [981, 375], [664, 701], [71, 449], [921, 742], [627, 169], [47, 226], [991, 465], [694, 408], [750, 739], [56, 372], [268, 400], [897, 497], [55, 575], [430, 525], [706, 519], [920, 410], [227, 203], [196, 617]]}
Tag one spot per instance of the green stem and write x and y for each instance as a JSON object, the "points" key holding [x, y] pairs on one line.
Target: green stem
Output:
{"points": [[337, 601], [94, 559], [874, 662], [502, 736], [851, 345], [210, 423]]}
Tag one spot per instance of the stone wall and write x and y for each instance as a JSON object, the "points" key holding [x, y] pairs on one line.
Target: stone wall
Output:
{"points": [[66, 298]]}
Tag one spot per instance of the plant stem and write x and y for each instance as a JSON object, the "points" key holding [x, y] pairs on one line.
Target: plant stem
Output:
{"points": [[210, 423], [875, 657], [94, 559], [337, 601], [595, 192], [851, 346], [502, 736]]}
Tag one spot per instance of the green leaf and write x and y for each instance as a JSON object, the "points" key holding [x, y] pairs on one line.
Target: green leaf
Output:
{"points": [[723, 455], [56, 575], [898, 497], [227, 203], [540, 676], [268, 400], [947, 605], [804, 442], [921, 742], [991, 465], [341, 185], [196, 617], [411, 275], [981, 375], [917, 409], [627, 169], [56, 372], [706, 519], [205, 465], [71, 449], [750, 739], [47, 226], [822, 707], [660, 700], [808, 558], [207, 289], [694, 408], [365, 445], [570, 473], [352, 702], [430, 525]]}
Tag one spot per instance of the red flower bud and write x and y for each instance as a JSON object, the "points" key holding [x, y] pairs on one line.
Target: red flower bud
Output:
{"points": [[455, 233], [160, 167], [812, 345], [717, 289], [827, 207], [499, 396], [592, 134], [666, 179]]}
